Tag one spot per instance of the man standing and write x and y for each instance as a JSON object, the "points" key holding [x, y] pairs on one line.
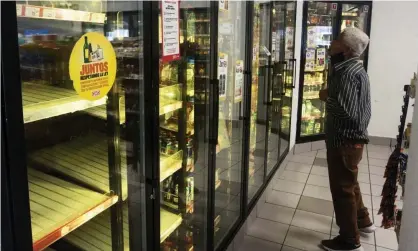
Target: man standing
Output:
{"points": [[348, 115]]}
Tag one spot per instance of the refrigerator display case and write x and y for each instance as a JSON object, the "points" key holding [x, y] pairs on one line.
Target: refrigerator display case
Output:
{"points": [[170, 154], [271, 89], [79, 151], [323, 22]]}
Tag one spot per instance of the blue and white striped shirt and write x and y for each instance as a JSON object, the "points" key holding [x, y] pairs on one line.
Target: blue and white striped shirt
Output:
{"points": [[348, 104]]}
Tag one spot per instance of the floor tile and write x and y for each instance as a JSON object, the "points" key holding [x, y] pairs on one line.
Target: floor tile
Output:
{"points": [[379, 155], [377, 190], [268, 230], [368, 247], [367, 201], [320, 162], [298, 167], [376, 202], [303, 148], [319, 170], [286, 248], [381, 249], [377, 162], [321, 154], [294, 176], [314, 205], [377, 218], [304, 239], [318, 180], [386, 238], [276, 213], [311, 153], [283, 199], [365, 188], [317, 192], [312, 221], [318, 145], [251, 243], [363, 168], [289, 186], [302, 159], [377, 179], [363, 177], [377, 170]]}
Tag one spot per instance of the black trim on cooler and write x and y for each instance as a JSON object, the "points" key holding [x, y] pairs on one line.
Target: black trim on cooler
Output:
{"points": [[15, 170]]}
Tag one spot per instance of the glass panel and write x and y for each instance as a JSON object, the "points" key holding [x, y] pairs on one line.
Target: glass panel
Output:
{"points": [[77, 61], [355, 15], [257, 127], [275, 89], [320, 22], [288, 83], [184, 82], [231, 50]]}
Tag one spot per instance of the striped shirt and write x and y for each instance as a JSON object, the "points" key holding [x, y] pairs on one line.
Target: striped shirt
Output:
{"points": [[348, 104]]}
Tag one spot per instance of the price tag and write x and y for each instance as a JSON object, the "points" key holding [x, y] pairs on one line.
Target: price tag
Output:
{"points": [[334, 6], [49, 13], [32, 11]]}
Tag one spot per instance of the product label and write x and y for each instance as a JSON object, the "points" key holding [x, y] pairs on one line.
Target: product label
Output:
{"points": [[320, 57], [223, 4], [239, 80], [223, 73], [92, 66], [170, 30]]}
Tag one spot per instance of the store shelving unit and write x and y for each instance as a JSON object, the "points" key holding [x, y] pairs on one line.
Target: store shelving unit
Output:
{"points": [[43, 101], [58, 207]]}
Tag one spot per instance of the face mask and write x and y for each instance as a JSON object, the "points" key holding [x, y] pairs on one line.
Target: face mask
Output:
{"points": [[337, 58]]}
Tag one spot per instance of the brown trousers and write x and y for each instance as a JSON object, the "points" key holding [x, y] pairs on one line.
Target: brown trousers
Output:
{"points": [[350, 211]]}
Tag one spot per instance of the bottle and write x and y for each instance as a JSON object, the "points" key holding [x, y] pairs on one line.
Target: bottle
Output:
{"points": [[90, 51], [86, 53]]}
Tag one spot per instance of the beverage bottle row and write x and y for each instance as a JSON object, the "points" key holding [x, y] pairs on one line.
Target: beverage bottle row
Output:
{"points": [[169, 145]]}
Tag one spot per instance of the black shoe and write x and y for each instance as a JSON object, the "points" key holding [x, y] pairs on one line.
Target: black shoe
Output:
{"points": [[337, 244]]}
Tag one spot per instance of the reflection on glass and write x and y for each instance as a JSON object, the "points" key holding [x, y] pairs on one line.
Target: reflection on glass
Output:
{"points": [[289, 72], [183, 125], [78, 153], [320, 21], [231, 53], [257, 128]]}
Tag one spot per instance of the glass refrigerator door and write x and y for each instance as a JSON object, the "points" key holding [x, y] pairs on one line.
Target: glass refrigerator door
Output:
{"points": [[231, 54], [319, 22], [275, 86], [289, 72], [184, 81], [257, 144], [75, 67]]}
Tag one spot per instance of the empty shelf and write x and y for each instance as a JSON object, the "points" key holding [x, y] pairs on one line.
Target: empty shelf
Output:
{"points": [[41, 101], [86, 160], [58, 207], [167, 106], [96, 234]]}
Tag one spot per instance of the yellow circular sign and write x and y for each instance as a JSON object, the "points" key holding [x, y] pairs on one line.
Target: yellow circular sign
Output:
{"points": [[92, 66]]}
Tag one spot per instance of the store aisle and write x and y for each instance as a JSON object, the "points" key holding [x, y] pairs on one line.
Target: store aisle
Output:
{"points": [[297, 211]]}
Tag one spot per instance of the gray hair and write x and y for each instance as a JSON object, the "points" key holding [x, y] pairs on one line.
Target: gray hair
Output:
{"points": [[355, 39]]}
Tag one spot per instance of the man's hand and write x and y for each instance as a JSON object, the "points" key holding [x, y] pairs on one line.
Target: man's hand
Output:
{"points": [[323, 94]]}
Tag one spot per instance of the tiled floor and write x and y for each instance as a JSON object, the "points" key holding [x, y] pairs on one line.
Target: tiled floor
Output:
{"points": [[298, 213]]}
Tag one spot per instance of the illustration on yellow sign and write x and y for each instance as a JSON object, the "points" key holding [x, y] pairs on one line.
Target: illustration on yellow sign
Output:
{"points": [[93, 66]]}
